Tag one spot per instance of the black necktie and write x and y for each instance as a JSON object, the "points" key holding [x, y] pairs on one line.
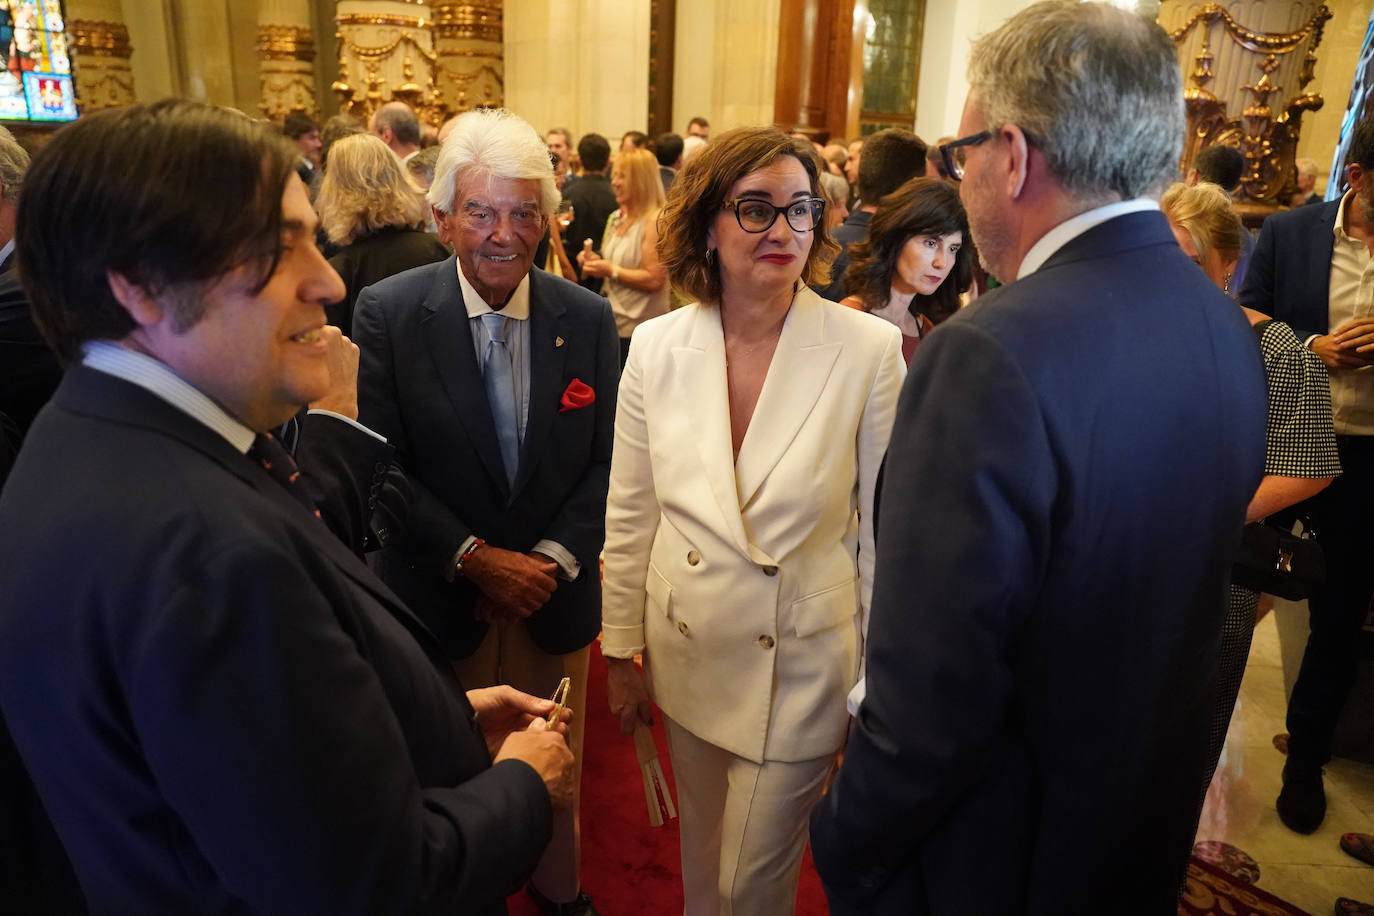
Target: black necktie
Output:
{"points": [[276, 461]]}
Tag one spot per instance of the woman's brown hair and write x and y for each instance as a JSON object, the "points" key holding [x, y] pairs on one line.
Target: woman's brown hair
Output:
{"points": [[698, 196]]}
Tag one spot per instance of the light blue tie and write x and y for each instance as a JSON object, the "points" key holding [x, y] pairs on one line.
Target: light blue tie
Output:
{"points": [[499, 376]]}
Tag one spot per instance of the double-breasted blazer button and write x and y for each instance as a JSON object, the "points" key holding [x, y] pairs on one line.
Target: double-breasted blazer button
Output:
{"points": [[770, 570], [766, 641], [682, 627], [693, 558]]}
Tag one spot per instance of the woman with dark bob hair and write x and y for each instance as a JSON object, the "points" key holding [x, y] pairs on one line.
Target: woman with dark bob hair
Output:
{"points": [[739, 541], [916, 261]]}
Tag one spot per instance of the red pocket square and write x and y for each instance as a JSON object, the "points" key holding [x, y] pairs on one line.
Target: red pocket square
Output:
{"points": [[576, 396]]}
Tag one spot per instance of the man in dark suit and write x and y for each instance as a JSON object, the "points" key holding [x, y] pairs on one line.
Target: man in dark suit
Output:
{"points": [[497, 385], [1308, 271], [1066, 485], [302, 130], [29, 372], [668, 151], [889, 159], [223, 709], [593, 201]]}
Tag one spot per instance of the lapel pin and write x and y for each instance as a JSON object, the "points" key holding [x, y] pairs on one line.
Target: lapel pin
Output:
{"points": [[558, 341]]}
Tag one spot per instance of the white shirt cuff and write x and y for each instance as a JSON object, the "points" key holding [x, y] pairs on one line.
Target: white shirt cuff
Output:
{"points": [[354, 423], [567, 563]]}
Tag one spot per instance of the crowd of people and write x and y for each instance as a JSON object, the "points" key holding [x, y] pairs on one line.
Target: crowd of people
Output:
{"points": [[914, 477]]}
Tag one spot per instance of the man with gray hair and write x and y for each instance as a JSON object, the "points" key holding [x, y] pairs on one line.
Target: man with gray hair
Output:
{"points": [[1307, 180], [1066, 484], [497, 384], [398, 127]]}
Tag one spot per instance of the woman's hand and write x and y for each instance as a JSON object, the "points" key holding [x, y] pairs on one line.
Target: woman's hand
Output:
{"points": [[593, 264], [628, 699]]}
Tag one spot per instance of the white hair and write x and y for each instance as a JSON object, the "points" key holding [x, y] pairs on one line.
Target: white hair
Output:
{"points": [[691, 145], [496, 143]]}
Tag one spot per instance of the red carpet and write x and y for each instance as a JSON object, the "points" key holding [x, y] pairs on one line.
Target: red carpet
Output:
{"points": [[628, 867], [1212, 892]]}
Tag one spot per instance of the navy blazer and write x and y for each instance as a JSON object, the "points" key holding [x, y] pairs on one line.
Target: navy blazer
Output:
{"points": [[1065, 486], [1290, 273], [223, 709], [420, 385]]}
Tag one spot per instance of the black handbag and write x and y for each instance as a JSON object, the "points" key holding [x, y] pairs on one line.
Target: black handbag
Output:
{"points": [[1275, 560]]}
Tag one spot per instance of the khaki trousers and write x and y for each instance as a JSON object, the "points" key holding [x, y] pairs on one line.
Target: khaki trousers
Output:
{"points": [[508, 656]]}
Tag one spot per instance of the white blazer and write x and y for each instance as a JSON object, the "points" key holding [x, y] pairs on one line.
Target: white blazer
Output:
{"points": [[746, 582]]}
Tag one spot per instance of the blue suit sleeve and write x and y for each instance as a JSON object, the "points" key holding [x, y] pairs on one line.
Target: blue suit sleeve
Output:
{"points": [[965, 507], [431, 531]]}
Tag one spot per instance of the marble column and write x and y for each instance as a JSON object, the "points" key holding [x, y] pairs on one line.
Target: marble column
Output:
{"points": [[286, 58], [100, 54], [386, 51], [583, 66], [470, 67]]}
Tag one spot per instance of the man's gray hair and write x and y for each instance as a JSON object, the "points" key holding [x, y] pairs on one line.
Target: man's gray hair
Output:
{"points": [[1096, 89], [14, 162], [497, 143], [402, 121]]}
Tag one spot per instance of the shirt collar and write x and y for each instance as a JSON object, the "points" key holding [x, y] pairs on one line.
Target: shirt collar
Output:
{"points": [[1075, 226], [518, 307], [156, 377], [6, 251], [1339, 227]]}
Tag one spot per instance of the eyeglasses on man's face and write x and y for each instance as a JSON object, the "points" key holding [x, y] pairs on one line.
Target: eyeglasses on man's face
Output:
{"points": [[952, 153], [754, 215]]}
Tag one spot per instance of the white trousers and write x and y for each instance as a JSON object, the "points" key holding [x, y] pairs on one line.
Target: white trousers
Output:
{"points": [[743, 825], [507, 655]]}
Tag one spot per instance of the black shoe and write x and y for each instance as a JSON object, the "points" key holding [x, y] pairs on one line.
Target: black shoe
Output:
{"points": [[1302, 803], [581, 905]]}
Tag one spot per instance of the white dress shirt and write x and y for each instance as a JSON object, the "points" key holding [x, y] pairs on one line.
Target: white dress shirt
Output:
{"points": [[1351, 295]]}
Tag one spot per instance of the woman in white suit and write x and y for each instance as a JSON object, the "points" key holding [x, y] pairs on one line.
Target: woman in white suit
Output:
{"points": [[739, 542]]}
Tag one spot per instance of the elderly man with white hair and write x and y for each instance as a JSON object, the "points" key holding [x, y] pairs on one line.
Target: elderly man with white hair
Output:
{"points": [[497, 384]]}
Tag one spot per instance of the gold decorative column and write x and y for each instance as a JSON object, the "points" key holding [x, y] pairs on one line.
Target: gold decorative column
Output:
{"points": [[1235, 60], [99, 44], [286, 58], [386, 51], [470, 72]]}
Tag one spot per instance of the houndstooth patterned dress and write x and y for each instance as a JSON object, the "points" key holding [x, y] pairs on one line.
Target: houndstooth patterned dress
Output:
{"points": [[1300, 441]]}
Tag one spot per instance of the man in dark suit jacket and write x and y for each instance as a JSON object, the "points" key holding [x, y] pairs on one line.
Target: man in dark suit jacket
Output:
{"points": [[890, 159], [222, 708], [668, 151], [29, 372], [1308, 271], [497, 385], [1075, 452], [593, 202]]}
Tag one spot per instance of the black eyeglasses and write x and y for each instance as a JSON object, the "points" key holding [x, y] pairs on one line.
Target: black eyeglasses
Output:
{"points": [[759, 215], [952, 154]]}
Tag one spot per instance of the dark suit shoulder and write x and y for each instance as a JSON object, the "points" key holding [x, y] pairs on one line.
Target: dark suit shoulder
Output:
{"points": [[1303, 219], [579, 300], [408, 290]]}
